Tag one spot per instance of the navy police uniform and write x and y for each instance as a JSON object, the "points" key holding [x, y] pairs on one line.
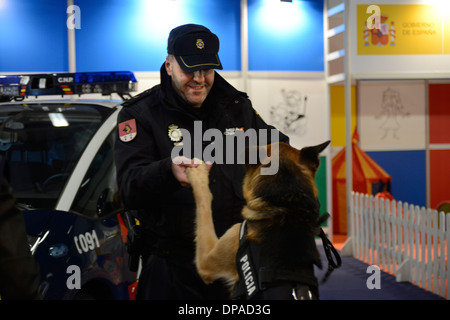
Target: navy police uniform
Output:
{"points": [[148, 129]]}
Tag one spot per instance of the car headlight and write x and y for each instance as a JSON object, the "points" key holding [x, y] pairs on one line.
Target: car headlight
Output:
{"points": [[58, 250]]}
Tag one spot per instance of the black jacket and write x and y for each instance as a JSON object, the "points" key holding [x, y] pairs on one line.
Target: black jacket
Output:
{"points": [[145, 179], [19, 272]]}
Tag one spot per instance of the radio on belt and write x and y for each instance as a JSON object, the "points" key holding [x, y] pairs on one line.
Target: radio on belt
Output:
{"points": [[21, 86]]}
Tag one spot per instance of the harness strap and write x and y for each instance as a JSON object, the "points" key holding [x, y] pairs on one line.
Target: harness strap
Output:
{"points": [[247, 285], [301, 275], [330, 251], [254, 279]]}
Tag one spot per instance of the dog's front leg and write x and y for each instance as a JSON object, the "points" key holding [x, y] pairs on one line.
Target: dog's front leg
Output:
{"points": [[206, 238]]}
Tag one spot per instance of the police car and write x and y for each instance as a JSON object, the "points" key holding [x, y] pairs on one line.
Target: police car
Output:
{"points": [[60, 162]]}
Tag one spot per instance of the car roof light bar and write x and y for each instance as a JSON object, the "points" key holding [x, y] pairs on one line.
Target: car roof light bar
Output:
{"points": [[76, 83]]}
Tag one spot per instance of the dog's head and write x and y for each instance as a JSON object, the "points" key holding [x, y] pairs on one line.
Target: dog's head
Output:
{"points": [[291, 186], [282, 209]]}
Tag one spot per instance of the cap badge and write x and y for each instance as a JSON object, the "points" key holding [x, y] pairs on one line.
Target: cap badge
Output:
{"points": [[175, 134], [200, 44]]}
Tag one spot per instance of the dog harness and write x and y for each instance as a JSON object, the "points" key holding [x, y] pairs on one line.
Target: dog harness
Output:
{"points": [[259, 280]]}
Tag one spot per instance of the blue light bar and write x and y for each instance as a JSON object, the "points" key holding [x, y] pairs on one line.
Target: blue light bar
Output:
{"points": [[78, 83], [9, 80], [103, 77]]}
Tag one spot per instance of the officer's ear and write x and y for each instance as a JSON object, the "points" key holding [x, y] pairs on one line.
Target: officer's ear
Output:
{"points": [[168, 65]]}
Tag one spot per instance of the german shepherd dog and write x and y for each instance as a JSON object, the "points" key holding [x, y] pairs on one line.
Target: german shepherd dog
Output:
{"points": [[281, 215]]}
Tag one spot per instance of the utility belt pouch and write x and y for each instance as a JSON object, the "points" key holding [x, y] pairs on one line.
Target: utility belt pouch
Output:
{"points": [[134, 243]]}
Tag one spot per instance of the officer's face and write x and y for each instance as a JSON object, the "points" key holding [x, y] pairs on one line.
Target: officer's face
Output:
{"points": [[193, 87]]}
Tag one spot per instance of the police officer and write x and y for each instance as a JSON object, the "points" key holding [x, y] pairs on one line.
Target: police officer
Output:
{"points": [[155, 186]]}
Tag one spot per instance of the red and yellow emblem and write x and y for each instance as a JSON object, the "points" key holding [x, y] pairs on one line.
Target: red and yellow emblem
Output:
{"points": [[127, 130]]}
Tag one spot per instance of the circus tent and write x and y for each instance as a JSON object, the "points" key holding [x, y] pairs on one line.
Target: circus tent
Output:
{"points": [[368, 177]]}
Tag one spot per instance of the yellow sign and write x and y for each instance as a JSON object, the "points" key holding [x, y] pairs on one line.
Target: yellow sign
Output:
{"points": [[446, 34], [403, 29]]}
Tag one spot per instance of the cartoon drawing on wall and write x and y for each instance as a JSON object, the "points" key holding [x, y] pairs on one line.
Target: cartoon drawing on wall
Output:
{"points": [[290, 114], [392, 110], [391, 114]]}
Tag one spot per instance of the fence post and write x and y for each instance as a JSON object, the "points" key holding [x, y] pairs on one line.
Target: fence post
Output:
{"points": [[400, 223], [358, 225], [447, 238], [349, 247], [370, 233], [428, 260], [403, 272], [365, 225], [442, 253], [359, 201], [435, 253], [412, 232], [382, 233], [407, 230], [377, 231], [393, 240]]}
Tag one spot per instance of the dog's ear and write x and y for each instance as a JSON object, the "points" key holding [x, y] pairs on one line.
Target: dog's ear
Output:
{"points": [[309, 156]]}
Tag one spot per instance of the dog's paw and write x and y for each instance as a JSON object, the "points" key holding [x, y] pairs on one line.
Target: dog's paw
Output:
{"points": [[207, 279], [199, 175]]}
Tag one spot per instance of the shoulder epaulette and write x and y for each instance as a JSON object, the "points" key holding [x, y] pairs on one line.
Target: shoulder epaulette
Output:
{"points": [[138, 97], [243, 94]]}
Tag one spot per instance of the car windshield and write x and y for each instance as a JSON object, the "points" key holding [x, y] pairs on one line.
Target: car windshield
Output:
{"points": [[42, 143]]}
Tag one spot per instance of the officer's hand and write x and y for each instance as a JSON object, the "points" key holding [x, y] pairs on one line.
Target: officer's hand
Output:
{"points": [[179, 165]]}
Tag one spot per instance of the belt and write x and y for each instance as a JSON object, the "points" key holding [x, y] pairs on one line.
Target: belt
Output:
{"points": [[169, 250]]}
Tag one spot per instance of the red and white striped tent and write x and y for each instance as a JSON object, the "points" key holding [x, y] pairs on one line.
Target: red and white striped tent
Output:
{"points": [[366, 173]]}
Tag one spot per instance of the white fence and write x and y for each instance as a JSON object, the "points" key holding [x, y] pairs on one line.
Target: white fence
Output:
{"points": [[411, 242]]}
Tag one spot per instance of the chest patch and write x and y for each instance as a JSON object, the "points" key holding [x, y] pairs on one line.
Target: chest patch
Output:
{"points": [[127, 130], [175, 134]]}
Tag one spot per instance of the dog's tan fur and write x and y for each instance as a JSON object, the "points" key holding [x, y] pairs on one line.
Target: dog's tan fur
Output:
{"points": [[216, 258]]}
